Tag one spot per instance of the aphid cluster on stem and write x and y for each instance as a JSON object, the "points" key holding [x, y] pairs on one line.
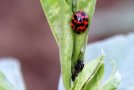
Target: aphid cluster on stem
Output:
{"points": [[79, 22], [77, 69]]}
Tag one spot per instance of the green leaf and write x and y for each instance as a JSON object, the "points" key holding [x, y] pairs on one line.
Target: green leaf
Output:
{"points": [[80, 40], [66, 44], [74, 5], [113, 82], [87, 73], [94, 82], [5, 86], [87, 6], [52, 11], [58, 15], [69, 2]]}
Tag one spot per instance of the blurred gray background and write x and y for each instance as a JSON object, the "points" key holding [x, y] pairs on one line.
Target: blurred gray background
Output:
{"points": [[26, 35]]}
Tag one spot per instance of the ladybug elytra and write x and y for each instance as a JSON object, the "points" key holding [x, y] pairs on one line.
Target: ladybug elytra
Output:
{"points": [[79, 22]]}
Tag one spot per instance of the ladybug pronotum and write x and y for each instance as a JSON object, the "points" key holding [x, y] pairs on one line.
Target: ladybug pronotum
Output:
{"points": [[79, 22]]}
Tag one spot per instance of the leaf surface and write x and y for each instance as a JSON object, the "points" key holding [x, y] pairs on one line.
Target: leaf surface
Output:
{"points": [[95, 81], [87, 73]]}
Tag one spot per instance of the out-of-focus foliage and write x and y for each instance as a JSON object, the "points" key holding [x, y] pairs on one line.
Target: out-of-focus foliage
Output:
{"points": [[4, 84]]}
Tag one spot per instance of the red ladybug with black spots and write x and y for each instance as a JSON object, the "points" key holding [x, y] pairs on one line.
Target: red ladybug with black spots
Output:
{"points": [[79, 22]]}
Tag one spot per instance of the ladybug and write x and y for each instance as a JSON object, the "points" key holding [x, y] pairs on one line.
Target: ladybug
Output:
{"points": [[79, 22]]}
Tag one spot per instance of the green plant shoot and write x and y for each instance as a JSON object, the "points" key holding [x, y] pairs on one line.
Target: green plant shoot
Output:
{"points": [[72, 45]]}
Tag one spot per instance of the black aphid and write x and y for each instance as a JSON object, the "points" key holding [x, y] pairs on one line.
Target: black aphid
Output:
{"points": [[74, 75], [77, 69], [79, 66]]}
